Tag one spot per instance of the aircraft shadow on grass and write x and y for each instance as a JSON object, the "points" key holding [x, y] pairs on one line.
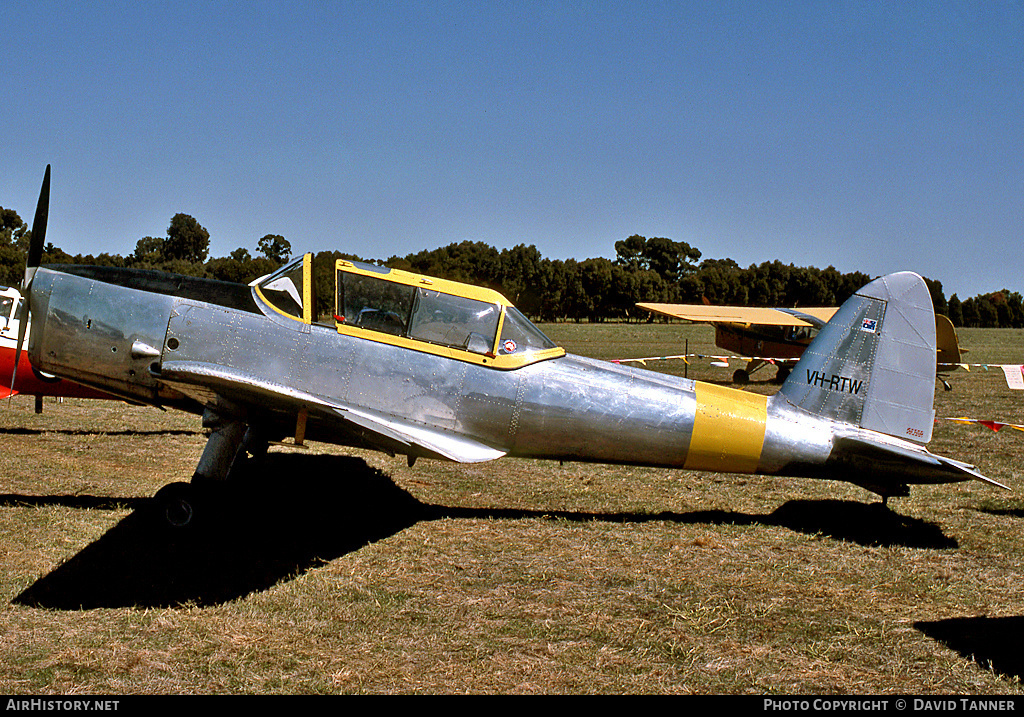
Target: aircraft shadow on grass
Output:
{"points": [[991, 642], [1012, 512], [135, 432], [302, 510]]}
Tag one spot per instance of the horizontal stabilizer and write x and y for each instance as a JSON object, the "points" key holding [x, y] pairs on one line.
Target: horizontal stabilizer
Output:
{"points": [[906, 461]]}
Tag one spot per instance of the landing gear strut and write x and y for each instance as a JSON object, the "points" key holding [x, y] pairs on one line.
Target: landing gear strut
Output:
{"points": [[177, 503]]}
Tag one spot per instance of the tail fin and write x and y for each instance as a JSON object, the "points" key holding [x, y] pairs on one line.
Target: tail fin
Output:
{"points": [[873, 364]]}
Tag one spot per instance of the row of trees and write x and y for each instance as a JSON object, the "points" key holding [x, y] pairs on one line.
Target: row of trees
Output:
{"points": [[596, 289], [658, 269], [1000, 309], [183, 251]]}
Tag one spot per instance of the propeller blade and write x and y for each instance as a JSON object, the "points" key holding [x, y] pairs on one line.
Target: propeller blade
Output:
{"points": [[32, 261], [35, 249]]}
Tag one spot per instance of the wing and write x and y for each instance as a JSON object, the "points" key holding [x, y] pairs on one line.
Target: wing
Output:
{"points": [[204, 382], [700, 313]]}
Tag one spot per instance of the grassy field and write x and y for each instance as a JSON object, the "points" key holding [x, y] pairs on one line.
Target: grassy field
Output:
{"points": [[359, 574]]}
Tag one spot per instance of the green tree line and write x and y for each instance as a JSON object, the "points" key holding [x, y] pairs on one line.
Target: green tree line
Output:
{"points": [[653, 269]]}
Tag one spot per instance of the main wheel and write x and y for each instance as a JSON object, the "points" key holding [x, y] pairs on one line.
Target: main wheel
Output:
{"points": [[175, 504], [741, 377]]}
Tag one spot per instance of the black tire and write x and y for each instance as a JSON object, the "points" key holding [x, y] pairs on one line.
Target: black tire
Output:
{"points": [[741, 377], [176, 505]]}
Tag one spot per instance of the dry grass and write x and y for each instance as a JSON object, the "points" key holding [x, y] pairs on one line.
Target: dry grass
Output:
{"points": [[333, 576]]}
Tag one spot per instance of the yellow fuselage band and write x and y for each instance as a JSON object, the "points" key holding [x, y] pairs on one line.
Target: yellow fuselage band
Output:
{"points": [[728, 430]]}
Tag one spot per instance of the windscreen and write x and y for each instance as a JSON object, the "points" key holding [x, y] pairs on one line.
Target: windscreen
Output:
{"points": [[519, 335], [283, 289]]}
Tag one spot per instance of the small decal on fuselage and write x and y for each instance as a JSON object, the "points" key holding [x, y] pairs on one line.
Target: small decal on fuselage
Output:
{"points": [[869, 325], [843, 384]]}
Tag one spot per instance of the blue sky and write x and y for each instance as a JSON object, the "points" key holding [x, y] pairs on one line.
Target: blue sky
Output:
{"points": [[871, 136]]}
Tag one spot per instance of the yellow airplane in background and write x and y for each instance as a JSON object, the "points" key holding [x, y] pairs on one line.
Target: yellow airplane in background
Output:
{"points": [[779, 336]]}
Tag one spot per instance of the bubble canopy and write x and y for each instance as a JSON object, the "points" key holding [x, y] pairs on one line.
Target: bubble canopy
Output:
{"points": [[438, 316]]}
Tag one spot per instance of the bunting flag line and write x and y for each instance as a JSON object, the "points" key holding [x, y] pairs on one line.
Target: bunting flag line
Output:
{"points": [[721, 361], [1014, 373], [991, 425], [1014, 379]]}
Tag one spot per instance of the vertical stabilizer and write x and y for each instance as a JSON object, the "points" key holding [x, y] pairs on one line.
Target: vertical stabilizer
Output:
{"points": [[873, 364]]}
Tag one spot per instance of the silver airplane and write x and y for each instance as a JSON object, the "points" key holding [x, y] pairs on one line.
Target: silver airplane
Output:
{"points": [[423, 367]]}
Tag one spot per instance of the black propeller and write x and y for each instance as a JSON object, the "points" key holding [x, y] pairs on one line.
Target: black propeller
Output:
{"points": [[32, 261]]}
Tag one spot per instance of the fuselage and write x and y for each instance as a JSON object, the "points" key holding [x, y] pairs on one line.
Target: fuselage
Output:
{"points": [[104, 332], [783, 342]]}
